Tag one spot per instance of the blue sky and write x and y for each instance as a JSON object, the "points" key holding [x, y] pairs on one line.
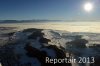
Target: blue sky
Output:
{"points": [[48, 9]]}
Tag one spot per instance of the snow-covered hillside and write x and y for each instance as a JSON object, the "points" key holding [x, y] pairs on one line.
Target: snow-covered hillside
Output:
{"points": [[30, 47]]}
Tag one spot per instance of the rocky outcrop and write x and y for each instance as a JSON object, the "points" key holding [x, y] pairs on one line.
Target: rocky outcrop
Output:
{"points": [[30, 47], [41, 55]]}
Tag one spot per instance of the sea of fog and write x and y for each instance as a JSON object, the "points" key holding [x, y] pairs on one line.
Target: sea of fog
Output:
{"points": [[93, 27]]}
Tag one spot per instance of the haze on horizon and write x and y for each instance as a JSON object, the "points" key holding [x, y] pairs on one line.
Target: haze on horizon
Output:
{"points": [[48, 9], [78, 11]]}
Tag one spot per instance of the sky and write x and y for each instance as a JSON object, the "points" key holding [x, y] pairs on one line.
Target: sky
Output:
{"points": [[48, 9]]}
